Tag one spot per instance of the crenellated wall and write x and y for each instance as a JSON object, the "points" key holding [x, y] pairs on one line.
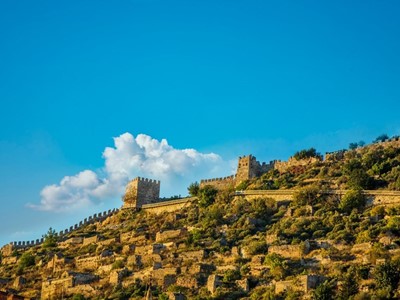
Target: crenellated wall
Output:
{"points": [[141, 191], [248, 167], [284, 166], [62, 234], [219, 183]]}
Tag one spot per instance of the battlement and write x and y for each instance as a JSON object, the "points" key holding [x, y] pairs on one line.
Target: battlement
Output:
{"points": [[248, 167], [232, 177], [140, 191], [91, 219], [142, 179]]}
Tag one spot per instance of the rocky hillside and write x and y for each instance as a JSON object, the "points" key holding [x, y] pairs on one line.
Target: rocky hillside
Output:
{"points": [[225, 245]]}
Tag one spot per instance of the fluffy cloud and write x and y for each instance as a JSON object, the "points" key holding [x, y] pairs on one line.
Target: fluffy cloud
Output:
{"points": [[130, 157]]}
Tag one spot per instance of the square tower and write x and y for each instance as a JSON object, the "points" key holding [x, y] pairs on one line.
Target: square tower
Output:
{"points": [[141, 191], [248, 167]]}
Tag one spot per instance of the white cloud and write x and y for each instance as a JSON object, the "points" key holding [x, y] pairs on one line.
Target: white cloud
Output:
{"points": [[130, 157]]}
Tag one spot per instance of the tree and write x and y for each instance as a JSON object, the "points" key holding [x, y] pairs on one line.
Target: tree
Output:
{"points": [[50, 238], [359, 179], [381, 138], [307, 153], [207, 195], [306, 195], [325, 291], [387, 276], [349, 285], [26, 260], [352, 199], [353, 146], [193, 189], [231, 275], [278, 265]]}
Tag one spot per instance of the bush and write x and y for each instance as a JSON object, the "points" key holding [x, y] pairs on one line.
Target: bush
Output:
{"points": [[324, 291], [359, 179], [381, 138], [207, 195], [352, 199], [394, 224], [306, 195], [387, 276], [50, 239], [257, 247], [307, 153], [118, 264], [26, 260], [231, 275], [193, 189]]}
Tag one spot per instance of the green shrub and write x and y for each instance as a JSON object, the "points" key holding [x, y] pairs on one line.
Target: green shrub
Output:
{"points": [[50, 239], [256, 247], [118, 264], [307, 153], [352, 199], [231, 275], [207, 195], [26, 260], [193, 189]]}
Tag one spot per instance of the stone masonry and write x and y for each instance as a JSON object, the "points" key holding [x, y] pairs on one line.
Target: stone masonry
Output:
{"points": [[248, 167], [141, 191]]}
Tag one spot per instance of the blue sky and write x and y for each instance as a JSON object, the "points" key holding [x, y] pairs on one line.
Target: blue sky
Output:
{"points": [[223, 77]]}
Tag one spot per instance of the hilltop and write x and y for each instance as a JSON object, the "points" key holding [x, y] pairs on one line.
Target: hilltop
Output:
{"points": [[312, 227]]}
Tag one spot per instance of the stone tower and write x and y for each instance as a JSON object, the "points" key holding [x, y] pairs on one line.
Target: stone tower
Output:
{"points": [[248, 167], [141, 191]]}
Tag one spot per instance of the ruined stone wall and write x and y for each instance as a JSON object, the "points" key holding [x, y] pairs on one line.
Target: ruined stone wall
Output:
{"points": [[277, 195], [302, 283], [219, 183], [141, 191], [168, 206], [170, 234], [62, 235], [374, 197], [248, 167], [54, 288], [387, 198], [287, 251], [284, 166]]}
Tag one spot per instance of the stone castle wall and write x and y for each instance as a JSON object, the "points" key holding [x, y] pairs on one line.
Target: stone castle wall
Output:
{"points": [[168, 206], [219, 183], [248, 167], [63, 233], [374, 197], [284, 166], [141, 191]]}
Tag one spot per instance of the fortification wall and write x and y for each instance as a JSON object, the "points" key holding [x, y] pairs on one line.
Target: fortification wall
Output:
{"points": [[168, 206], [248, 167], [340, 154], [219, 183], [374, 197], [62, 235], [277, 195], [141, 191], [284, 166]]}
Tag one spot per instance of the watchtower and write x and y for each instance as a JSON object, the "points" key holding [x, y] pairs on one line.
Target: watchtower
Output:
{"points": [[248, 167], [141, 191]]}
